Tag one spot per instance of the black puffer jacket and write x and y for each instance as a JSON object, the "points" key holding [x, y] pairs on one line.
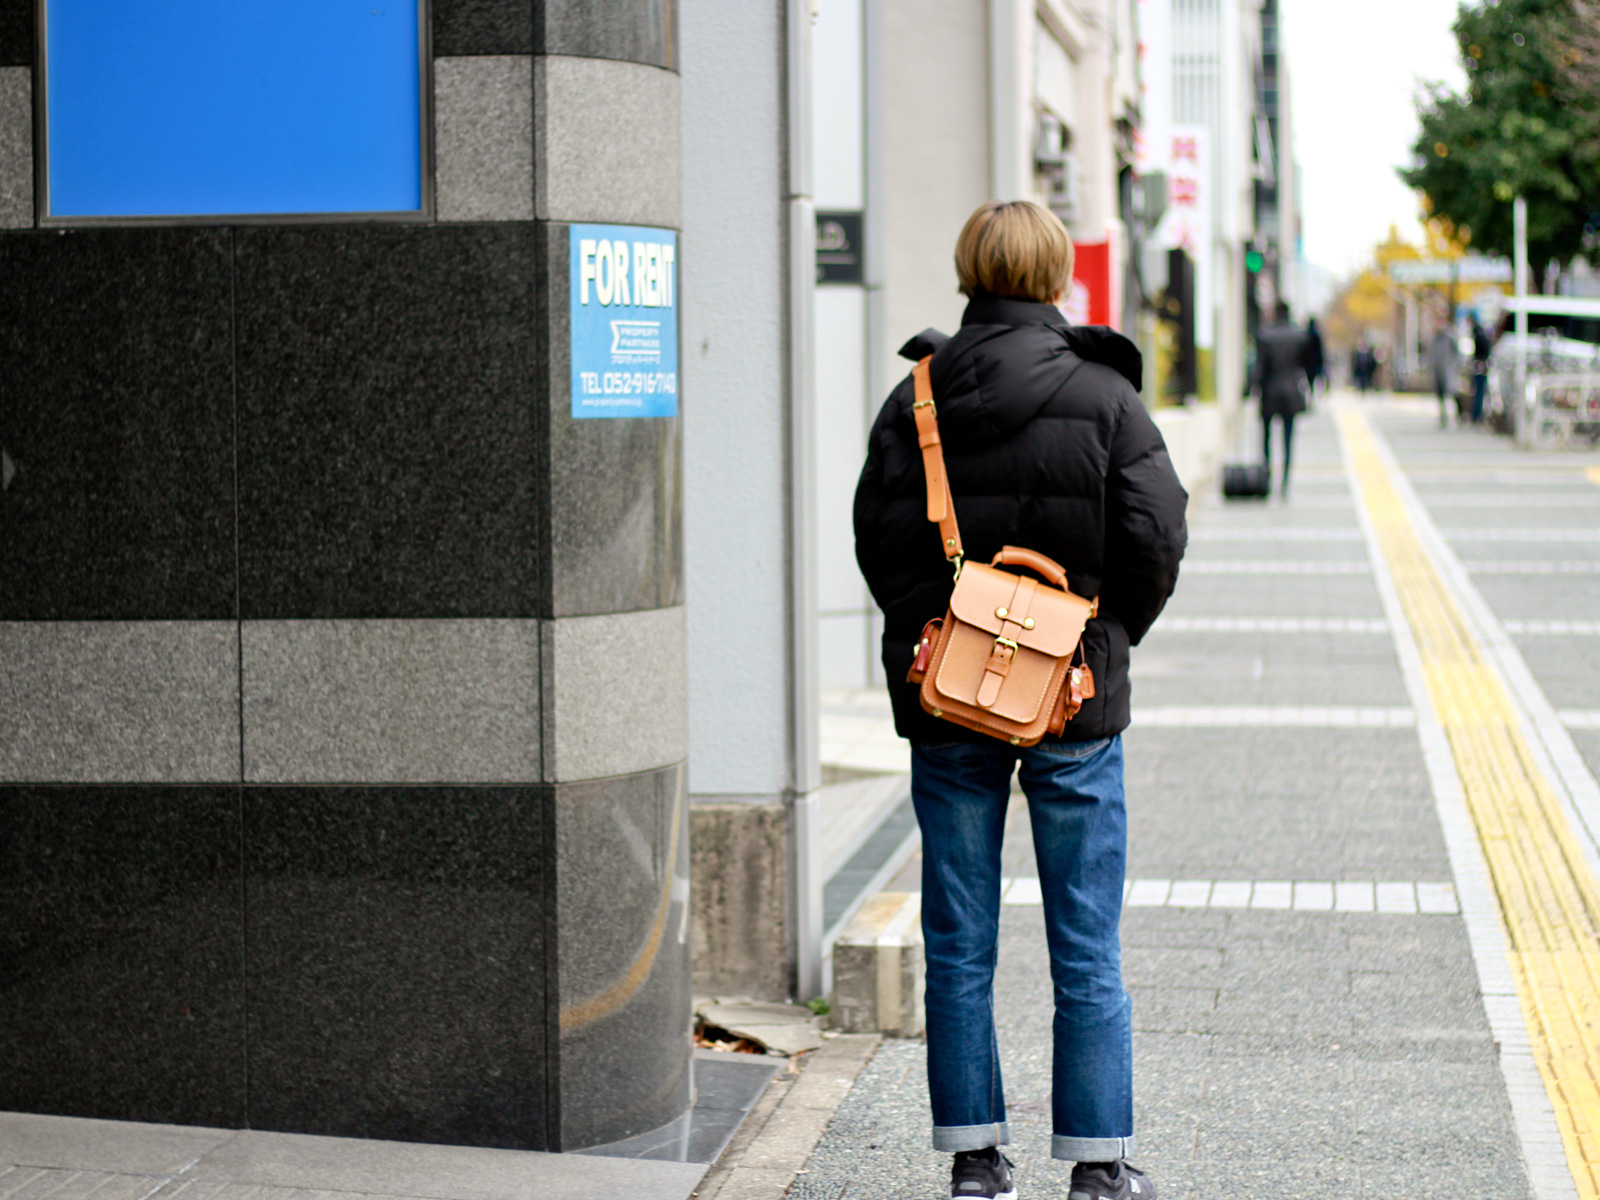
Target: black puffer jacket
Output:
{"points": [[1048, 447]]}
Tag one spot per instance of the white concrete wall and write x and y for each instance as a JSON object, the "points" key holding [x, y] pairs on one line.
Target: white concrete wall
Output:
{"points": [[844, 408], [936, 169], [845, 646], [735, 424]]}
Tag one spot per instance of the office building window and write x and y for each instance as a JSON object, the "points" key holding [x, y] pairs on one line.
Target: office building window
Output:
{"points": [[205, 108]]}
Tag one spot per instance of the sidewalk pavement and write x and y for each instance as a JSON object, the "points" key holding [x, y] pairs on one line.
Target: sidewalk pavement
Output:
{"points": [[1322, 1005]]}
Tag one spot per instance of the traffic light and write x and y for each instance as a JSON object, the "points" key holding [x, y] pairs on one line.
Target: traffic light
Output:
{"points": [[1254, 260]]}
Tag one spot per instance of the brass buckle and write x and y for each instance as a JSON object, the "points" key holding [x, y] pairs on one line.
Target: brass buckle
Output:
{"points": [[1005, 641], [925, 404]]}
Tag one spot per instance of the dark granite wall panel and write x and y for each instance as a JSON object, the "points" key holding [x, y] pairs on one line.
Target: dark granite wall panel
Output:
{"points": [[386, 428], [121, 961], [622, 860], [397, 948], [615, 498], [642, 31], [116, 412], [16, 33], [476, 27]]}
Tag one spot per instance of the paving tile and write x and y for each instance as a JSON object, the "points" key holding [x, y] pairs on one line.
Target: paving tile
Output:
{"points": [[281, 1160], [111, 1146]]}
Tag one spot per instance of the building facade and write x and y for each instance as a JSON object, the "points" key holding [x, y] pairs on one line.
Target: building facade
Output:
{"points": [[344, 715]]}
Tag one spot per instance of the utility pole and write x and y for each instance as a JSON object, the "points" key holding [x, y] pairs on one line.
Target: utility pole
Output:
{"points": [[1519, 240]]}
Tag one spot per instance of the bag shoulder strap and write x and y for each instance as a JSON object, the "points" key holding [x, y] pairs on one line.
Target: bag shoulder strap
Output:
{"points": [[941, 504]]}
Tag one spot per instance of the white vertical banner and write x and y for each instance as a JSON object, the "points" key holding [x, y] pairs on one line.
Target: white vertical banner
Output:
{"points": [[1189, 222]]}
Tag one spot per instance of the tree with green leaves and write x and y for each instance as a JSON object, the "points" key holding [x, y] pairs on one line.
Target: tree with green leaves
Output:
{"points": [[1527, 124]]}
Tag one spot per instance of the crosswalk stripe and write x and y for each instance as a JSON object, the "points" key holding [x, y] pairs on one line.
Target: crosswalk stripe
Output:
{"points": [[1404, 897], [1533, 567], [1270, 566], [1272, 716], [1521, 535], [1271, 625]]}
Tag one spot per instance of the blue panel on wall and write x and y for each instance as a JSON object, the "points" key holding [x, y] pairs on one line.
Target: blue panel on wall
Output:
{"points": [[624, 310], [223, 107]]}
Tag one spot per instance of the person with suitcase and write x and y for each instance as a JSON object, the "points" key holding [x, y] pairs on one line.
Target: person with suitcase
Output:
{"points": [[1047, 446], [1282, 370]]}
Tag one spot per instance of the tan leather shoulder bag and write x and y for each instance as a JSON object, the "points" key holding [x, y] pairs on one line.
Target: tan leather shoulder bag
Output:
{"points": [[1001, 659]]}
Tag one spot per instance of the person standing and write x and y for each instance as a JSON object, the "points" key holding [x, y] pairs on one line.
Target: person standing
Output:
{"points": [[1482, 347], [1047, 446], [1316, 364], [1283, 358], [1445, 360]]}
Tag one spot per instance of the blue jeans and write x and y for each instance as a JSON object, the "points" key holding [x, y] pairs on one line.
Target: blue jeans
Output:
{"points": [[1080, 837]]}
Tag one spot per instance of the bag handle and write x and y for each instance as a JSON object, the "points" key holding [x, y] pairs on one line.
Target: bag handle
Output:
{"points": [[941, 504], [1019, 556]]}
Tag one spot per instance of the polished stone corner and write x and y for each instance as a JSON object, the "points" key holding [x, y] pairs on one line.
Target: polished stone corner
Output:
{"points": [[391, 701], [119, 701], [387, 438], [641, 31], [616, 691], [607, 142], [486, 27], [483, 138], [122, 991], [118, 425], [399, 956], [622, 863], [615, 498], [16, 148], [16, 33]]}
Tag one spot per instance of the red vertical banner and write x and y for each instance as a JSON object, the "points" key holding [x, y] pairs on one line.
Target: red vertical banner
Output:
{"points": [[1091, 302]]}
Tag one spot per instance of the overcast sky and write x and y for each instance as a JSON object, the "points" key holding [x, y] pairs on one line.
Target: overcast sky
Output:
{"points": [[1354, 66]]}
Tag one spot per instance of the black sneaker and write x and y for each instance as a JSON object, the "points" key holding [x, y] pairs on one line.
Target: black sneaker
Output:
{"points": [[982, 1175], [1118, 1181]]}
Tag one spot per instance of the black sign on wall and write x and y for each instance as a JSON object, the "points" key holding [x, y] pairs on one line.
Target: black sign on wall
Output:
{"points": [[839, 248]]}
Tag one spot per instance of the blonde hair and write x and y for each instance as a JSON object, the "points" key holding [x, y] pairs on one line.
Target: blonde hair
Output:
{"points": [[1014, 248]]}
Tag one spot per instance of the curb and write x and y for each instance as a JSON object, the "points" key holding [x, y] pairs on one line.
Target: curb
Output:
{"points": [[786, 1124]]}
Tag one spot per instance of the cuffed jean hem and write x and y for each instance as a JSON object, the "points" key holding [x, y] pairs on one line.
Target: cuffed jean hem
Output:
{"points": [[1079, 1149], [951, 1139]]}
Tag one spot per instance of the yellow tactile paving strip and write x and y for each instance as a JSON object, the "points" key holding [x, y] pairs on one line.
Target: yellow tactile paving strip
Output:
{"points": [[1548, 898]]}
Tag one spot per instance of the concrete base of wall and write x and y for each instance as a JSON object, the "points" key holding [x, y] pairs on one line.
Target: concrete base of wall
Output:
{"points": [[738, 867], [878, 968]]}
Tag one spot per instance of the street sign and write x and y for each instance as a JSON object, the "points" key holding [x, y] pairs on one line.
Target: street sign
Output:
{"points": [[1473, 269], [624, 320], [839, 248]]}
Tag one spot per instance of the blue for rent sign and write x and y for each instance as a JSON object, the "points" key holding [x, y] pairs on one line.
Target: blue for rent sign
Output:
{"points": [[624, 321]]}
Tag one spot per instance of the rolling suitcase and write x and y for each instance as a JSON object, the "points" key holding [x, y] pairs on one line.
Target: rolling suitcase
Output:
{"points": [[1246, 481]]}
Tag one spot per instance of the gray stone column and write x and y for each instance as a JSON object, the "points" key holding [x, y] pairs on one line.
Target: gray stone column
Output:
{"points": [[342, 671]]}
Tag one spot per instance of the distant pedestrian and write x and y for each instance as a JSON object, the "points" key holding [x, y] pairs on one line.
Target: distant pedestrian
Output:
{"points": [[1364, 365], [1316, 364], [1047, 446], [1445, 360], [1482, 347], [1283, 358]]}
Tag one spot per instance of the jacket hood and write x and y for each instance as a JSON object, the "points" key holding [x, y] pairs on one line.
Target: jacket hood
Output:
{"points": [[1104, 345], [989, 328], [1092, 343]]}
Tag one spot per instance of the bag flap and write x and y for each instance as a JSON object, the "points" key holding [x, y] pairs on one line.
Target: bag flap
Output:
{"points": [[1058, 617]]}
